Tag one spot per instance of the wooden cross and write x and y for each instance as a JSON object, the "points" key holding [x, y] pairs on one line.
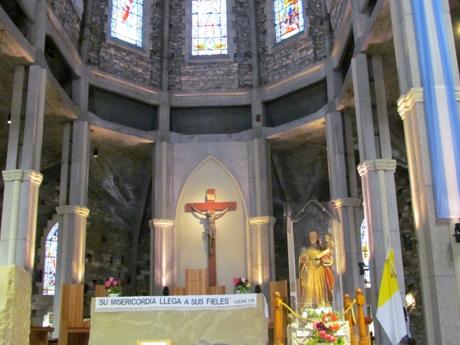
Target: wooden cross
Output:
{"points": [[212, 210]]}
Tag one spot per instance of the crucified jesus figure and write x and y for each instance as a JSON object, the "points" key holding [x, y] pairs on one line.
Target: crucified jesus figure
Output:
{"points": [[212, 211], [211, 216]]}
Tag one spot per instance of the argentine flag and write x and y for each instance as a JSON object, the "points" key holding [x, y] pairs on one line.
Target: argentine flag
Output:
{"points": [[390, 312]]}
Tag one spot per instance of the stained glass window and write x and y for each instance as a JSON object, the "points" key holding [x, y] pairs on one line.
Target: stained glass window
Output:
{"points": [[288, 18], [209, 27], [49, 272], [127, 21], [365, 254]]}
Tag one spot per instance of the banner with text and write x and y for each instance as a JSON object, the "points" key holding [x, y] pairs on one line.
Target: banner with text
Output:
{"points": [[178, 303]]}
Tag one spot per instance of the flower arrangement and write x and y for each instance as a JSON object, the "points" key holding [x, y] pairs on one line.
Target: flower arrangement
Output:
{"points": [[113, 286], [241, 285], [324, 327]]}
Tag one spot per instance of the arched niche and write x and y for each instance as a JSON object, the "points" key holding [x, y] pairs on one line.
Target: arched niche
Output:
{"points": [[232, 235]]}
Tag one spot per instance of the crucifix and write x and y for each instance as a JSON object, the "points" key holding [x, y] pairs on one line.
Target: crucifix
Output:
{"points": [[211, 210]]}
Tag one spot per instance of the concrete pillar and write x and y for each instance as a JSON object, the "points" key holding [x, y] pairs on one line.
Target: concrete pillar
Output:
{"points": [[348, 211], [260, 229], [22, 178], [163, 253], [345, 231], [439, 254], [162, 270], [377, 178], [72, 210], [261, 221]]}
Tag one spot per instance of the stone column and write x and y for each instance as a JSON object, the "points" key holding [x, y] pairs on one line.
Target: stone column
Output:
{"points": [[438, 252], [260, 229], [346, 231], [260, 210], [163, 265], [347, 211], [72, 210], [22, 177], [377, 179], [164, 270]]}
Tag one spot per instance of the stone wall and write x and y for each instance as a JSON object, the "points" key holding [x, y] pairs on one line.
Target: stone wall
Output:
{"points": [[69, 18], [201, 75], [139, 65], [410, 255], [278, 61], [336, 10], [118, 177]]}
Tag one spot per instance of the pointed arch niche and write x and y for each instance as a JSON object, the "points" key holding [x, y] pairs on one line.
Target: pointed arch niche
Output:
{"points": [[232, 235]]}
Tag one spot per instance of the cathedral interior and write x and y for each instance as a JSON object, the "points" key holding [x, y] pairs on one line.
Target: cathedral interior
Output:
{"points": [[279, 109]]}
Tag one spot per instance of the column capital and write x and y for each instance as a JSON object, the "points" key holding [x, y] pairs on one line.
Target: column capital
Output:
{"points": [[407, 101], [262, 220], [23, 175], [376, 165], [72, 209], [344, 202], [161, 223]]}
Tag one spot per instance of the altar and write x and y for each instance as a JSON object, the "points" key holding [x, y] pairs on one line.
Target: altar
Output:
{"points": [[183, 320]]}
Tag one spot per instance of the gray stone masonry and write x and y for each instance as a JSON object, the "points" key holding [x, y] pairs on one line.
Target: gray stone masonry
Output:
{"points": [[279, 61], [69, 18], [140, 65]]}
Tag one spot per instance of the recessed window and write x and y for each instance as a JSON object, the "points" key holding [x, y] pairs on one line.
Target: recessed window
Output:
{"points": [[49, 271], [127, 22], [288, 18], [209, 27]]}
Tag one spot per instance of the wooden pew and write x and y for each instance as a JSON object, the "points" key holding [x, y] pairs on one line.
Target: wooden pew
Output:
{"points": [[73, 330]]}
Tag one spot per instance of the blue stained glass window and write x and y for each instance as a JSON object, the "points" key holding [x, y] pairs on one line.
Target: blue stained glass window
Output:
{"points": [[209, 27], [288, 18], [49, 271], [127, 21]]}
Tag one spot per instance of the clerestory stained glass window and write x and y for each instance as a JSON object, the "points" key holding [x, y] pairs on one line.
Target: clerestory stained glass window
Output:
{"points": [[127, 22], [49, 272], [288, 18], [209, 27]]}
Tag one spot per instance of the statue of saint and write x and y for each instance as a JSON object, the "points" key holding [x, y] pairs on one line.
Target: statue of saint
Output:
{"points": [[327, 260], [312, 274]]}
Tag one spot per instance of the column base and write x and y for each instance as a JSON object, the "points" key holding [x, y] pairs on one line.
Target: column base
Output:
{"points": [[15, 305]]}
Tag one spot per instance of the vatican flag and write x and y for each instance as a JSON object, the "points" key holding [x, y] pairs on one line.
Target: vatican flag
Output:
{"points": [[390, 310]]}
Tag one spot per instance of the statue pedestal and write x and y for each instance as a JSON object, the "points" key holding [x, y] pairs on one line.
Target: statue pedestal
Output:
{"points": [[15, 304]]}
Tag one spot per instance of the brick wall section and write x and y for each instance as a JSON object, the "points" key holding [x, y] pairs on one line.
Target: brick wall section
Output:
{"points": [[69, 18], [294, 54], [336, 10], [221, 75], [128, 63]]}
